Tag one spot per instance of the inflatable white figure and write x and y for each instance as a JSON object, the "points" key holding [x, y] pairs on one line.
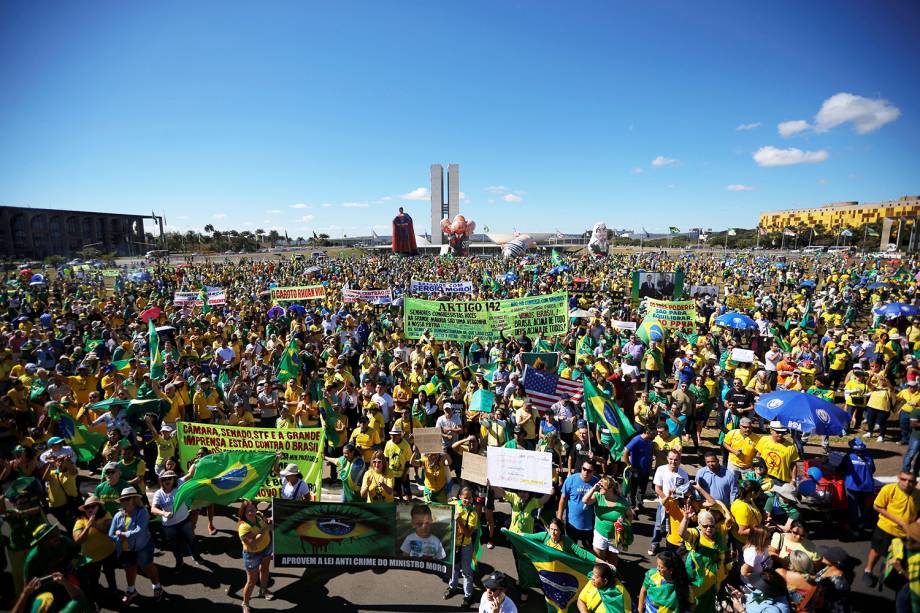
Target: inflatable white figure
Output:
{"points": [[517, 246], [598, 242]]}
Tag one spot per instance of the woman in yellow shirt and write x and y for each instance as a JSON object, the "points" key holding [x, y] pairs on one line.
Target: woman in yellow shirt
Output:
{"points": [[255, 532], [91, 533], [376, 486]]}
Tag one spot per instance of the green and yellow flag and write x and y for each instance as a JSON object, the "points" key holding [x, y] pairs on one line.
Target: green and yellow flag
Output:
{"points": [[560, 575], [203, 296], [555, 258], [604, 413], [156, 358], [86, 444], [225, 477], [290, 362]]}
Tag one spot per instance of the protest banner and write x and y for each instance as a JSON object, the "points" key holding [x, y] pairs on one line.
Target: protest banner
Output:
{"points": [[428, 440], [739, 303], [361, 535], [482, 401], [541, 359], [300, 292], [673, 314], [697, 291], [623, 325], [437, 287], [372, 296], [216, 297], [110, 272], [301, 446], [475, 468], [659, 285], [745, 356], [462, 320], [520, 469]]}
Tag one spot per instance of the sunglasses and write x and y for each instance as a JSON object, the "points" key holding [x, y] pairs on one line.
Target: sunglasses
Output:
{"points": [[587, 469]]}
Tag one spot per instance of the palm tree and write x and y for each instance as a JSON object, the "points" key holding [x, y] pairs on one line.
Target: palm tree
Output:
{"points": [[274, 237]]}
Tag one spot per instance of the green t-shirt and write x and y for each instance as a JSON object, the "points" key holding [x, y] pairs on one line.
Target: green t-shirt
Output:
{"points": [[43, 559], [109, 494], [606, 514], [522, 512], [22, 527]]}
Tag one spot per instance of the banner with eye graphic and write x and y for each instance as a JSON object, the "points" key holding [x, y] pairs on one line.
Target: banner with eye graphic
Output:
{"points": [[361, 536]]}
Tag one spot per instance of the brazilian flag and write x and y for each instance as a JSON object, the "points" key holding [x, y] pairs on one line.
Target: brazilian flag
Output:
{"points": [[156, 358], [604, 413], [203, 296], [560, 575], [86, 444], [290, 362], [489, 370], [225, 477], [555, 258]]}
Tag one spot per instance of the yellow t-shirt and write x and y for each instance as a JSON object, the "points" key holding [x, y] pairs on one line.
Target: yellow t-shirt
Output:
{"points": [[245, 420], [911, 399], [374, 482], [366, 441], [245, 528], [97, 545], [780, 457], [435, 475], [744, 514], [901, 505], [662, 447], [592, 599], [205, 404], [60, 486], [467, 517], [166, 448], [397, 457], [745, 444], [675, 516]]}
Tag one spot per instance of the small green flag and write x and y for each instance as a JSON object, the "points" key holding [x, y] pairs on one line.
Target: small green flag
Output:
{"points": [[605, 413], [86, 444], [203, 296], [225, 477], [290, 362], [156, 358]]}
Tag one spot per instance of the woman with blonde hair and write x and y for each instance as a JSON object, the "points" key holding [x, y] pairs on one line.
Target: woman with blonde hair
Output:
{"points": [[376, 485]]}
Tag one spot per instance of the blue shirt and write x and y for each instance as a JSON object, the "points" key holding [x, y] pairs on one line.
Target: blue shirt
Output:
{"points": [[574, 489], [640, 454], [138, 533], [676, 428], [858, 470], [721, 485]]}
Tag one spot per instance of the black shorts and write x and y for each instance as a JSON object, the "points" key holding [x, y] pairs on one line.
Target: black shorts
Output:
{"points": [[880, 542], [583, 537]]}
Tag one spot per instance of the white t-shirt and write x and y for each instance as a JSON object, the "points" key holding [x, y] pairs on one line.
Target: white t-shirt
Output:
{"points": [[667, 480], [164, 502], [430, 547], [485, 606], [771, 359], [758, 561], [297, 491], [386, 405]]}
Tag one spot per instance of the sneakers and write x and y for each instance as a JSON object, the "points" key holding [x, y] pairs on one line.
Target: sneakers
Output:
{"points": [[651, 551], [880, 439], [129, 597], [869, 580], [467, 601], [450, 592], [158, 594]]}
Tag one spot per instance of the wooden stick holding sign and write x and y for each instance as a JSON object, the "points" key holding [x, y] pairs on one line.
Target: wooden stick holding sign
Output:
{"points": [[475, 468], [428, 440]]}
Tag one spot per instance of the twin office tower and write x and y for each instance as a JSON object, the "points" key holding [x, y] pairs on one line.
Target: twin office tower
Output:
{"points": [[440, 209]]}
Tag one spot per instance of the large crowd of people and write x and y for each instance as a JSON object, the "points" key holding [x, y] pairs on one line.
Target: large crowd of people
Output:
{"points": [[728, 495]]}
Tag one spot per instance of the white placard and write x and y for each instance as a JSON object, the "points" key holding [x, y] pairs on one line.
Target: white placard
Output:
{"points": [[624, 325], [743, 355], [520, 469]]}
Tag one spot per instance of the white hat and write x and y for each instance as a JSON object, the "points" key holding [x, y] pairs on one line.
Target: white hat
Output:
{"points": [[778, 426], [290, 469], [128, 492]]}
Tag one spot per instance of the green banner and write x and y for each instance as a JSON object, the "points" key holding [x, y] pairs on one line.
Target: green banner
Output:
{"points": [[461, 320], [359, 535], [673, 314], [301, 446]]}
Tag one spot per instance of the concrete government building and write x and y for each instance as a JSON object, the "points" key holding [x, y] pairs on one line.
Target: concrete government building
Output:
{"points": [[840, 215], [27, 233]]}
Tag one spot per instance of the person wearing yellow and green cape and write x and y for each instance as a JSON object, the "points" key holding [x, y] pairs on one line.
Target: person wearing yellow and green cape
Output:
{"points": [[556, 539], [468, 547], [708, 546], [665, 588], [605, 593], [350, 469]]}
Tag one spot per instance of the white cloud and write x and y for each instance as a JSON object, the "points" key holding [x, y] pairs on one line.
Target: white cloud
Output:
{"points": [[355, 205], [737, 187], [419, 193], [511, 198], [386, 198], [273, 211], [326, 205], [219, 215], [182, 217], [662, 161], [307, 218], [866, 114], [496, 189], [636, 170], [748, 126], [462, 195], [823, 181], [789, 128], [300, 205], [771, 156]]}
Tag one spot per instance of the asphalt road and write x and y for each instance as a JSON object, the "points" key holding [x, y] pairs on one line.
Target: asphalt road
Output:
{"points": [[406, 591]]}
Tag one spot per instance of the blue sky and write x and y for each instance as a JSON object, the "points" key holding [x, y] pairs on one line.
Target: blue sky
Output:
{"points": [[326, 116]]}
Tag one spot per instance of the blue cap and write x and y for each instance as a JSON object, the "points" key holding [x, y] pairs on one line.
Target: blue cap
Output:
{"points": [[857, 443], [55, 440]]}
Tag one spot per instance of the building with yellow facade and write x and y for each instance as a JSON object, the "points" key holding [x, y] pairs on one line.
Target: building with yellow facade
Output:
{"points": [[840, 215]]}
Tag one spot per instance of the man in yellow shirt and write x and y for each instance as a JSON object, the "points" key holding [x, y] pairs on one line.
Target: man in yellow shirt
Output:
{"points": [[741, 444], [908, 399], [897, 505], [780, 456], [206, 401]]}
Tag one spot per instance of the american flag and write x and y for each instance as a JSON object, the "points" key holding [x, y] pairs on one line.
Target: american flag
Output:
{"points": [[543, 388]]}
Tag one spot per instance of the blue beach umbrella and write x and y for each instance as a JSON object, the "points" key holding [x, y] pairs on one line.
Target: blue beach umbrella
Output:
{"points": [[896, 309], [297, 308], [879, 285], [735, 320], [807, 283], [803, 412]]}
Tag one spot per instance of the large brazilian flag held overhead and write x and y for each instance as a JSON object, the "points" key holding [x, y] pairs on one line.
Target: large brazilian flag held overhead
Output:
{"points": [[605, 413], [225, 477]]}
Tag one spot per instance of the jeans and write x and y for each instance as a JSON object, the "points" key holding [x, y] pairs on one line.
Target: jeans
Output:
{"points": [[178, 535], [857, 505], [657, 532], [637, 484], [463, 563], [911, 455], [904, 421], [874, 418]]}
